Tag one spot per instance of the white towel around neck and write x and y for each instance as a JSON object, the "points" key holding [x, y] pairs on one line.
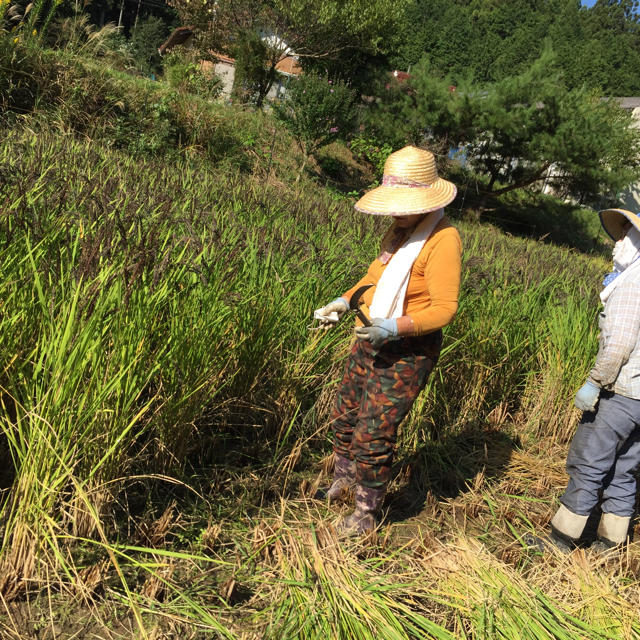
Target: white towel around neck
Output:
{"points": [[626, 259], [388, 299]]}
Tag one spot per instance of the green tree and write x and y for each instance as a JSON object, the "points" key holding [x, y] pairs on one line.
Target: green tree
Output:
{"points": [[439, 29], [597, 47], [148, 36], [255, 70], [517, 129], [323, 31], [183, 70], [26, 20], [316, 111], [612, 41]]}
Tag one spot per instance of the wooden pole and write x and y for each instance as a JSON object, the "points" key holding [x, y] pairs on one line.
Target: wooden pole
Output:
{"points": [[120, 16], [135, 23]]}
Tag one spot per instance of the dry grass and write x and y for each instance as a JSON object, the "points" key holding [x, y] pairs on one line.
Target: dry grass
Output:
{"points": [[460, 561]]}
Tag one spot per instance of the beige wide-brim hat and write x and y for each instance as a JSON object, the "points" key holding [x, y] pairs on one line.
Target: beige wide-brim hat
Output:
{"points": [[614, 220], [410, 186]]}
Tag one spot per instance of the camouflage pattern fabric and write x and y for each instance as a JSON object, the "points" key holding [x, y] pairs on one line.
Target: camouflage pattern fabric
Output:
{"points": [[363, 518], [376, 392]]}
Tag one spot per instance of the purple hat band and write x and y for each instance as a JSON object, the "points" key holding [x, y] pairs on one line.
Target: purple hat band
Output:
{"points": [[397, 181]]}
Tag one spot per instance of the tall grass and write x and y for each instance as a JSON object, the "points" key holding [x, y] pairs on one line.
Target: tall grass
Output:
{"points": [[154, 320], [130, 316], [526, 323], [75, 89]]}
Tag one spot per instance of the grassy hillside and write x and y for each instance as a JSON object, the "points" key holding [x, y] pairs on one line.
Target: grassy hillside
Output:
{"points": [[165, 408]]}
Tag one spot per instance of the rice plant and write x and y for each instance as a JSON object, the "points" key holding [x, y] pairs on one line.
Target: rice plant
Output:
{"points": [[154, 319]]}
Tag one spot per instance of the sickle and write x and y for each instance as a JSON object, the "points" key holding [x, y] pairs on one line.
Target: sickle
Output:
{"points": [[354, 304]]}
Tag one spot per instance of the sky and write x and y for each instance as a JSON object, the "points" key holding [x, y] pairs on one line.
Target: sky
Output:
{"points": [[588, 3]]}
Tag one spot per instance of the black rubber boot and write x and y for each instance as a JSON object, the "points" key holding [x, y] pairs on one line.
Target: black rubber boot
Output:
{"points": [[551, 541]]}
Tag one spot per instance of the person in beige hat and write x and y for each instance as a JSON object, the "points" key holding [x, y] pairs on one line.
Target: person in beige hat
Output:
{"points": [[605, 451], [413, 292]]}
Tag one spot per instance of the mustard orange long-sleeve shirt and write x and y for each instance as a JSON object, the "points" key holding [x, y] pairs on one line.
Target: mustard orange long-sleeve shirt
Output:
{"points": [[431, 299]]}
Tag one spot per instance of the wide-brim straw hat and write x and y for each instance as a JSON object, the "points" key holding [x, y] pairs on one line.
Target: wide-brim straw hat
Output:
{"points": [[410, 186], [614, 220]]}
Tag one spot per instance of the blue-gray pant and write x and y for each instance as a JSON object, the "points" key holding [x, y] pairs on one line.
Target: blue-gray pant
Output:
{"points": [[604, 454]]}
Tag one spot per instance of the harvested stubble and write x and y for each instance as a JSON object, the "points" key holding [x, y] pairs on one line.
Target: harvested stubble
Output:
{"points": [[445, 586], [155, 316]]}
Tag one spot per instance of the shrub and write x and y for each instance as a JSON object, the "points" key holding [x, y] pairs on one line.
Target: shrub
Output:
{"points": [[254, 75], [132, 113], [371, 151], [316, 111], [18, 83], [146, 39], [28, 77], [78, 36], [522, 130], [185, 72]]}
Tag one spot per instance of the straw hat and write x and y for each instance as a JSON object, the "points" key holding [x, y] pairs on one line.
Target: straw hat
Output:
{"points": [[613, 221], [410, 186]]}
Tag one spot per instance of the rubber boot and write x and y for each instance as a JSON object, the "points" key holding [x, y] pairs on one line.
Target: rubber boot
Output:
{"points": [[566, 530], [363, 518], [613, 532], [344, 479]]}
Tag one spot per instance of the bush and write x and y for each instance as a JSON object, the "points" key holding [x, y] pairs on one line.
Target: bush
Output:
{"points": [[146, 39], [316, 111], [27, 78], [522, 130], [185, 72], [132, 113], [372, 151], [254, 74], [18, 84], [78, 36]]}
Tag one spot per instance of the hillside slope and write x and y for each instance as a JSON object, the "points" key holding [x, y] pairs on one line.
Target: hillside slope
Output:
{"points": [[165, 410]]}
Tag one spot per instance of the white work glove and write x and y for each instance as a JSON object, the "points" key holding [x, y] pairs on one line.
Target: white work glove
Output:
{"points": [[587, 396], [332, 313]]}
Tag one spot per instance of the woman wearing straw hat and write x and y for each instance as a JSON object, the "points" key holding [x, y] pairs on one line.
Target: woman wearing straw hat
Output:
{"points": [[605, 451], [415, 283]]}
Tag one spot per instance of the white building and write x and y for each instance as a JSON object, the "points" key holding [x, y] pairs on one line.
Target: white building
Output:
{"points": [[224, 66], [630, 198]]}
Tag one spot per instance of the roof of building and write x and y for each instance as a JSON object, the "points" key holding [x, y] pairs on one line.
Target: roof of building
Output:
{"points": [[178, 36], [289, 66], [220, 57], [631, 102], [400, 76]]}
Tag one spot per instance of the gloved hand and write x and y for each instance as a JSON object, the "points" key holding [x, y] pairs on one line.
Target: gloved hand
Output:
{"points": [[587, 396], [339, 306], [380, 331]]}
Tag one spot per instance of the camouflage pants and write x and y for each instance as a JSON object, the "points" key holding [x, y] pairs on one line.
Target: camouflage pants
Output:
{"points": [[376, 392]]}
